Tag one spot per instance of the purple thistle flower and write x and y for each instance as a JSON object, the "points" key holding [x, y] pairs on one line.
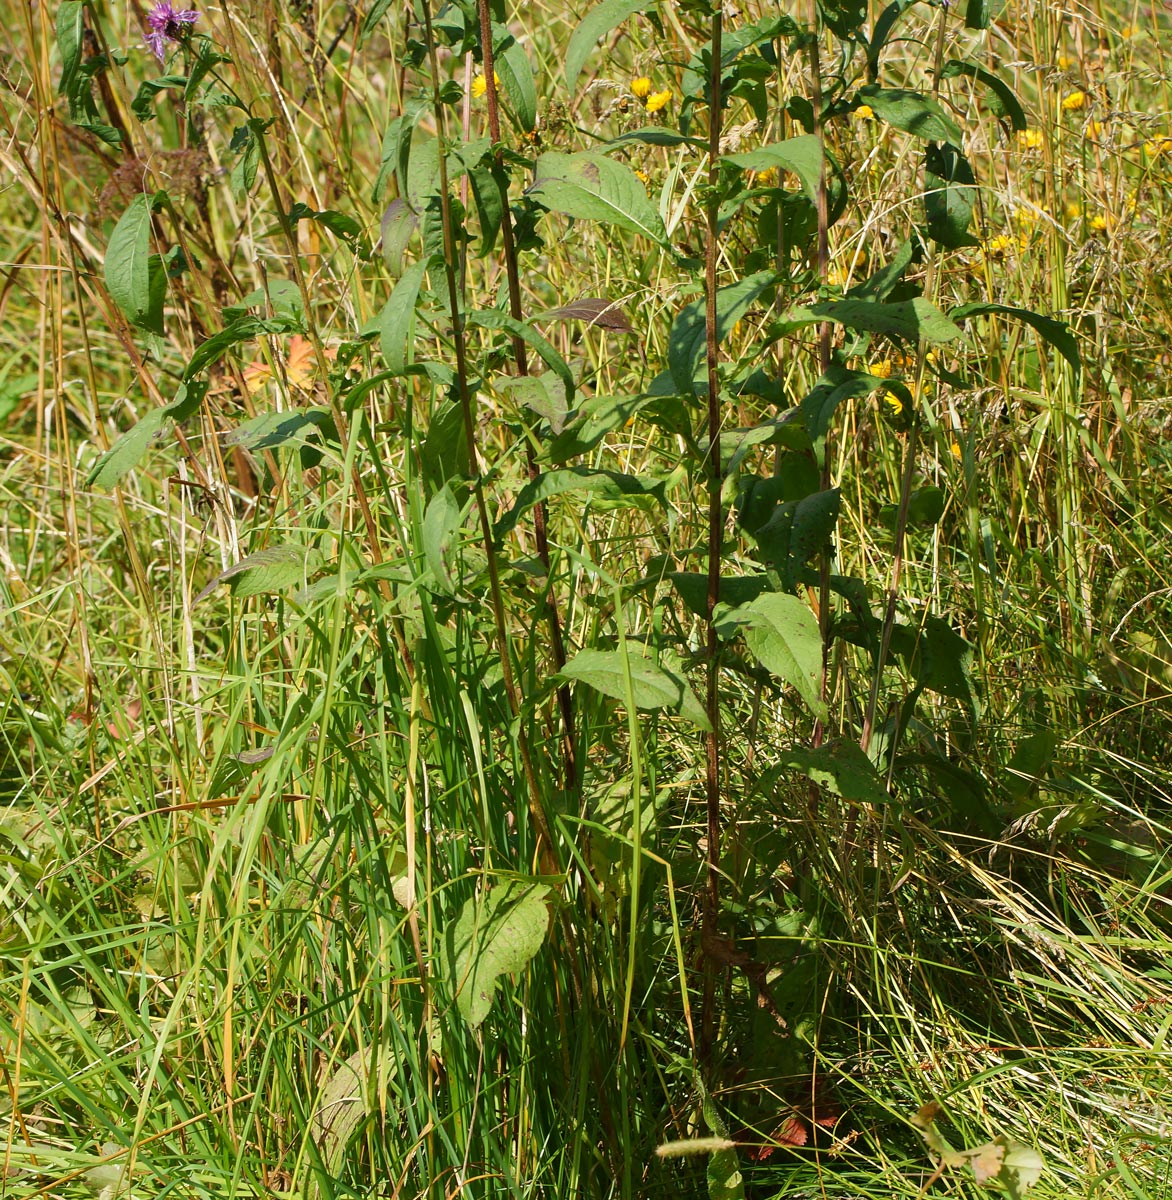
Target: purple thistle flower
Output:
{"points": [[166, 24]]}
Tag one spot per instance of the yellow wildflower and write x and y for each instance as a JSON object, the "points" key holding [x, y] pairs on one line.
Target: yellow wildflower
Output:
{"points": [[881, 367], [641, 87], [1096, 128], [998, 247], [1127, 32], [1074, 102], [766, 178], [1100, 223], [1029, 139], [480, 84], [957, 452], [658, 100], [641, 176], [894, 403], [864, 113], [1073, 210], [1154, 147], [1063, 62]]}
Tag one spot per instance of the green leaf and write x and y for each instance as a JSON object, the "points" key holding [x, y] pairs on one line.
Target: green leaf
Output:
{"points": [[606, 485], [70, 36], [657, 135], [143, 104], [976, 14], [877, 286], [127, 266], [597, 417], [1005, 103], [820, 404], [243, 329], [797, 531], [911, 320], [884, 24], [687, 346], [491, 318], [396, 322], [735, 590], [516, 75], [725, 1181], [272, 569], [652, 685], [912, 112], [844, 17], [271, 430], [592, 187], [1057, 333], [598, 22], [124, 455], [441, 523], [784, 637], [843, 768], [939, 659], [399, 223], [950, 196], [496, 934], [801, 155], [925, 508]]}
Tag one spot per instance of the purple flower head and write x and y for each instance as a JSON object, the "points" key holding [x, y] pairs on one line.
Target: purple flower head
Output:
{"points": [[166, 24]]}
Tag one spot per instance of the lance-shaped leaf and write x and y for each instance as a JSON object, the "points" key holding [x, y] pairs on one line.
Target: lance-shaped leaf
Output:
{"points": [[496, 934], [593, 187], [272, 569], [910, 320], [801, 155], [515, 72], [950, 196], [783, 635], [688, 342], [397, 319], [1004, 102], [1057, 333], [651, 685], [841, 767], [598, 22], [605, 485], [127, 267], [912, 112], [492, 318], [124, 455]]}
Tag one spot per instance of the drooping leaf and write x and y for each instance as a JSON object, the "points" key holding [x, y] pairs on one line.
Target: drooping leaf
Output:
{"points": [[143, 104], [597, 23], [652, 686], [592, 187], [594, 310], [496, 934], [725, 1180], [913, 112], [1004, 103], [836, 386], [976, 14], [70, 33], [842, 767], [950, 196], [271, 430], [939, 659], [687, 345], [801, 155], [272, 569], [397, 319], [797, 531], [925, 508], [735, 590], [611, 486], [844, 17], [879, 285], [516, 75], [127, 266], [243, 329], [441, 524], [124, 455], [491, 318], [1057, 333], [399, 223], [784, 637], [911, 320], [884, 24]]}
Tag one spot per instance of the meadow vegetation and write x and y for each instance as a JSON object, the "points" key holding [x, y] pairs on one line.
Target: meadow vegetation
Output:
{"points": [[584, 599]]}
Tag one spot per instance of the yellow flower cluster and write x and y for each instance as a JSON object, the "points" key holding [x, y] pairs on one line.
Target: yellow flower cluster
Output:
{"points": [[652, 101], [1030, 139]]}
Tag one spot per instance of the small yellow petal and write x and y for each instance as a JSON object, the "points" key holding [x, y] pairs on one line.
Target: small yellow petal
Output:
{"points": [[641, 87], [957, 452], [893, 402], [658, 100]]}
